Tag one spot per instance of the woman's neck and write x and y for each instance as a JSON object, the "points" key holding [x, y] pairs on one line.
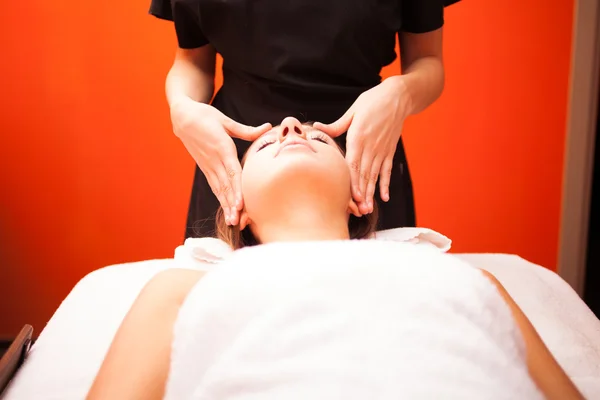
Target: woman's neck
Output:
{"points": [[310, 223]]}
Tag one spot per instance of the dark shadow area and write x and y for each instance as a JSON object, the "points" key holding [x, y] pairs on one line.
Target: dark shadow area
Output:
{"points": [[591, 294]]}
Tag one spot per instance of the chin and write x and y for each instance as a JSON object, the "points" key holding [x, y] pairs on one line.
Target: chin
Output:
{"points": [[294, 161], [307, 168], [299, 174]]}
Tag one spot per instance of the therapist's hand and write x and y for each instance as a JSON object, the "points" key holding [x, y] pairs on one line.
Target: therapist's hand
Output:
{"points": [[207, 135], [373, 125]]}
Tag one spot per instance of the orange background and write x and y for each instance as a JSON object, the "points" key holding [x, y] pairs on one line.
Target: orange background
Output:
{"points": [[92, 175]]}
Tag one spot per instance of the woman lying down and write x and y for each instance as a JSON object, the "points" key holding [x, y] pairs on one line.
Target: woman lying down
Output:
{"points": [[312, 314]]}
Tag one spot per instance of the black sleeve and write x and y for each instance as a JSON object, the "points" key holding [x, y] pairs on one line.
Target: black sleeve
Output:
{"points": [[421, 16], [187, 22], [161, 9]]}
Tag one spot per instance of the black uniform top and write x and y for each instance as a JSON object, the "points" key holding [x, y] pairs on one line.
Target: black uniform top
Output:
{"points": [[305, 58]]}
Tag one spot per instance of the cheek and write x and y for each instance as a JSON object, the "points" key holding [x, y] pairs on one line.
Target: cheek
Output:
{"points": [[264, 175], [252, 180], [340, 167]]}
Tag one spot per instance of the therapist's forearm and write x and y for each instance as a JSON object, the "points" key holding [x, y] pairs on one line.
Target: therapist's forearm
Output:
{"points": [[423, 81], [192, 76]]}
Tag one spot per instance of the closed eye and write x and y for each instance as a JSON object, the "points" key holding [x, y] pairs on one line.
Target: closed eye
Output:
{"points": [[264, 144], [320, 137]]}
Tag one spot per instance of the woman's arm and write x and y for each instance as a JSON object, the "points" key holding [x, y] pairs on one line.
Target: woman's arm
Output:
{"points": [[137, 363], [543, 368], [422, 68], [192, 76]]}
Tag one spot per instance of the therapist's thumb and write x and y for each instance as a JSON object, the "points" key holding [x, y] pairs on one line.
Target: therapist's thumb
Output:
{"points": [[245, 132], [338, 127]]}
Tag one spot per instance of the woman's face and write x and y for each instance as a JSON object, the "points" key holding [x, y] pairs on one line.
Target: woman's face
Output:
{"points": [[293, 156]]}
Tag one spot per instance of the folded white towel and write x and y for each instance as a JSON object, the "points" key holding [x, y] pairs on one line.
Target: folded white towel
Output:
{"points": [[204, 253], [423, 236], [201, 253], [346, 320]]}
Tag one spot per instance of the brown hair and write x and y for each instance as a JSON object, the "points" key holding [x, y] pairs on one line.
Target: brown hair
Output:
{"points": [[358, 227]]}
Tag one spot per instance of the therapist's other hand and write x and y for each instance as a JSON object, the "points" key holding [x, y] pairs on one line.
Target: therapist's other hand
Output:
{"points": [[373, 125], [207, 135]]}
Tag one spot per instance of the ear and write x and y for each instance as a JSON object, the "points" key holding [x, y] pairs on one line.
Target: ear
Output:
{"points": [[353, 208], [244, 220]]}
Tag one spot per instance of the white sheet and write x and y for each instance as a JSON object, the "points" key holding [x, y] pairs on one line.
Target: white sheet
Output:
{"points": [[347, 320], [70, 349], [567, 326]]}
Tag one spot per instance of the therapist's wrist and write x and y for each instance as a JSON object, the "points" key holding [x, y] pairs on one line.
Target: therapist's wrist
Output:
{"points": [[400, 87], [178, 102], [423, 82]]}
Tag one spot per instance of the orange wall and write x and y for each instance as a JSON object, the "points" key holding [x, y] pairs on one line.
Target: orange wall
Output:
{"points": [[91, 174]]}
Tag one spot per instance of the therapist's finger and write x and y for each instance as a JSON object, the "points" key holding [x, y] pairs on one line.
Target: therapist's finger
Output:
{"points": [[353, 208], [353, 153], [366, 176], [245, 132], [366, 161], [232, 172], [338, 127], [220, 192], [372, 183], [385, 176]]}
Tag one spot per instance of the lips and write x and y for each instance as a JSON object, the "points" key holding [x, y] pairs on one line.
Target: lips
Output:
{"points": [[293, 142]]}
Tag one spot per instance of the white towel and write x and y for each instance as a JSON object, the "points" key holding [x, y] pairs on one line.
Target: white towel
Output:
{"points": [[205, 253], [346, 320], [423, 236], [201, 253]]}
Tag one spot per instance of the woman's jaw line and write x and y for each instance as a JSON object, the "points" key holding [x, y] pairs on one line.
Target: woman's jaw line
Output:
{"points": [[304, 221]]}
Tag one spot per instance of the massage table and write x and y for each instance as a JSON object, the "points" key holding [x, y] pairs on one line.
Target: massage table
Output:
{"points": [[65, 358]]}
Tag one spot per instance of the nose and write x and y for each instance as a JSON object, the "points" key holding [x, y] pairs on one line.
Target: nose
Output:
{"points": [[291, 126]]}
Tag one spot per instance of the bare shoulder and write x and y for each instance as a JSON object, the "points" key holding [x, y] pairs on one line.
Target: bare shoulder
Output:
{"points": [[504, 293], [490, 276], [174, 282], [176, 277], [546, 372]]}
